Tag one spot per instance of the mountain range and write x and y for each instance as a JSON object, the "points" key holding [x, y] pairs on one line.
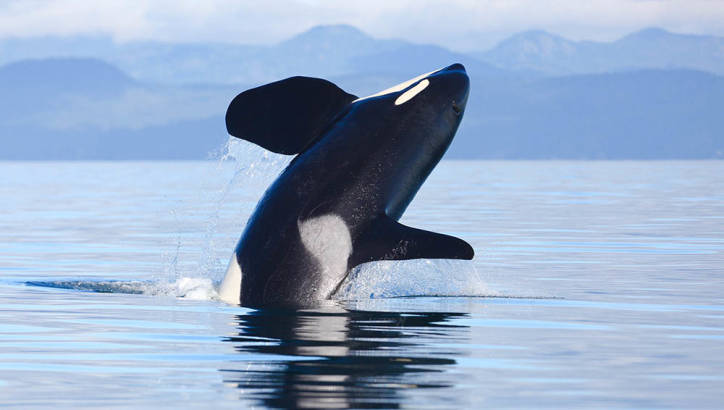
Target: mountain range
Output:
{"points": [[651, 94], [653, 48]]}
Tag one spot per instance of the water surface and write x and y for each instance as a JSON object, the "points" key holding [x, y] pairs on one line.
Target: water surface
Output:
{"points": [[595, 284]]}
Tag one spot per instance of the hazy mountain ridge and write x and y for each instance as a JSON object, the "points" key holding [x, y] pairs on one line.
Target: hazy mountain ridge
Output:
{"points": [[85, 108], [66, 93], [323, 51], [647, 114], [651, 48], [68, 108], [341, 50]]}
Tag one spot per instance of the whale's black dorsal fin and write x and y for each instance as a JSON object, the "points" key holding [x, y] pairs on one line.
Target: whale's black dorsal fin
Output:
{"points": [[287, 115], [387, 239]]}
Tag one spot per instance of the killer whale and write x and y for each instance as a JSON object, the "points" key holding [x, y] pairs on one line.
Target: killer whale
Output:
{"points": [[359, 162]]}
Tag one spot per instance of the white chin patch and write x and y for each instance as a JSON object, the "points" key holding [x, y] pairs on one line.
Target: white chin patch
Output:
{"points": [[328, 239], [412, 92]]}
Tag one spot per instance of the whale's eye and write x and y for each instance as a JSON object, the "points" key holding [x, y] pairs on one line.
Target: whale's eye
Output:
{"points": [[412, 92]]}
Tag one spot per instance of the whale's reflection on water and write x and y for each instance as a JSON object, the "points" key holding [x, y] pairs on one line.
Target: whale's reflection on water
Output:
{"points": [[335, 357]]}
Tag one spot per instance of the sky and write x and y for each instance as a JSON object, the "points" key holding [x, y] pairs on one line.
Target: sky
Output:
{"points": [[456, 24]]}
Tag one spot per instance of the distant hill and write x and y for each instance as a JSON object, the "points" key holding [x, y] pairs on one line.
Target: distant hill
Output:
{"points": [[32, 86], [648, 114], [651, 48], [65, 108], [167, 101], [342, 50], [64, 75], [324, 51]]}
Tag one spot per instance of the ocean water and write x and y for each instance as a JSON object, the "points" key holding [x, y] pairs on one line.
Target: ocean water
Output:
{"points": [[595, 284]]}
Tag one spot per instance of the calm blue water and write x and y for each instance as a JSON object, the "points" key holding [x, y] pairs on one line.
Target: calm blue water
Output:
{"points": [[596, 284]]}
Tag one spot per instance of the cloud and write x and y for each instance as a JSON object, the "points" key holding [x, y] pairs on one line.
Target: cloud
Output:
{"points": [[449, 22]]}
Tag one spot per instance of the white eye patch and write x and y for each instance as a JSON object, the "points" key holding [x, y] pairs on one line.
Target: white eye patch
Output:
{"points": [[399, 87], [412, 92]]}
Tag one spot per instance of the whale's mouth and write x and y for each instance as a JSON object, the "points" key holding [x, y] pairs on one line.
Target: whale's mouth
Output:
{"points": [[456, 108]]}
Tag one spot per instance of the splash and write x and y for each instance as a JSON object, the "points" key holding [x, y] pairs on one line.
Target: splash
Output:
{"points": [[188, 288], [204, 258], [253, 169], [418, 277], [374, 280], [256, 169]]}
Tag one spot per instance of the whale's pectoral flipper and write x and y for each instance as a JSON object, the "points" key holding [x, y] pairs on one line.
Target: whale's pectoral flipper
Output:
{"points": [[387, 239], [287, 115]]}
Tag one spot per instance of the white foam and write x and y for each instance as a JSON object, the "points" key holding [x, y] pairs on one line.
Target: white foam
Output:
{"points": [[417, 277], [194, 288], [374, 280]]}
